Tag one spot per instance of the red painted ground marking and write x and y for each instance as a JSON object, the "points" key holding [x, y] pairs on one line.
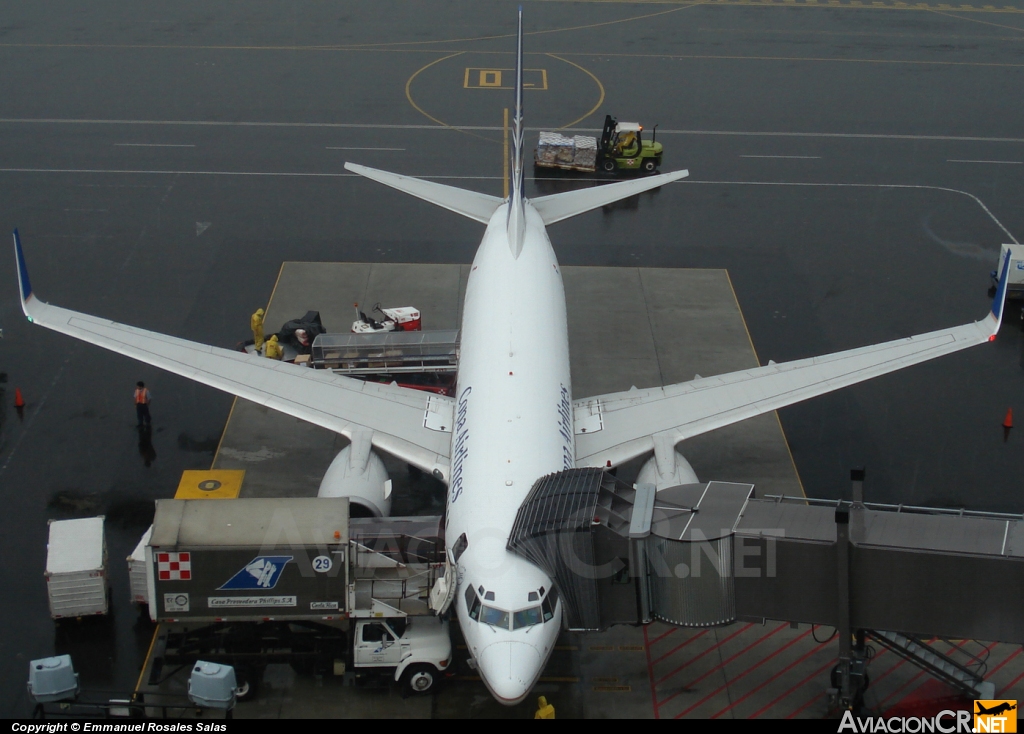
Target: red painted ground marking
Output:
{"points": [[1013, 682], [819, 671], [909, 699], [659, 638], [754, 690], [748, 670], [650, 673], [1016, 652], [680, 646], [814, 698], [698, 657], [722, 664], [927, 700], [914, 678]]}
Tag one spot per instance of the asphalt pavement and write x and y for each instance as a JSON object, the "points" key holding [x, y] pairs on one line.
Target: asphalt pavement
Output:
{"points": [[854, 168]]}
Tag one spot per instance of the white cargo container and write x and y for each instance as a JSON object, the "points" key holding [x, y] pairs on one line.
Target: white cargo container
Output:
{"points": [[76, 568], [138, 585]]}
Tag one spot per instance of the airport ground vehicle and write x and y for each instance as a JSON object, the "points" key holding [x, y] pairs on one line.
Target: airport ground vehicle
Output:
{"points": [[254, 582], [621, 147]]}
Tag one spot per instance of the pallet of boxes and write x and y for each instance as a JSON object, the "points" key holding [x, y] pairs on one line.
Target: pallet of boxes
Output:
{"points": [[577, 153]]}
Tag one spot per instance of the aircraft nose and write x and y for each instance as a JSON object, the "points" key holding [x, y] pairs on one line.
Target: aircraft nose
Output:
{"points": [[509, 669]]}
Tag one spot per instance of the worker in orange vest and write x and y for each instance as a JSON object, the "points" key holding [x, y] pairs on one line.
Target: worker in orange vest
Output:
{"points": [[142, 398]]}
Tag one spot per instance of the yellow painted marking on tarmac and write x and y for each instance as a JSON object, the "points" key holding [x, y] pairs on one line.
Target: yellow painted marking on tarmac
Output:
{"points": [[220, 484], [479, 78], [600, 86], [602, 648], [408, 96], [631, 648], [145, 661], [504, 135], [613, 689], [230, 413], [815, 59], [983, 22], [778, 420], [234, 402]]}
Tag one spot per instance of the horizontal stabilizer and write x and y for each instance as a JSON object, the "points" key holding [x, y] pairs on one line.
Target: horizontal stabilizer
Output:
{"points": [[556, 207], [467, 203]]}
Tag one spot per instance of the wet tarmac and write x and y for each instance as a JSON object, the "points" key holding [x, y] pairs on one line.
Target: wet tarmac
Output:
{"points": [[854, 170]]}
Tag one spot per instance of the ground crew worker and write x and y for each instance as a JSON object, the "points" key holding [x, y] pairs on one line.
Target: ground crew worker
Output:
{"points": [[256, 324], [544, 709], [273, 350], [142, 398]]}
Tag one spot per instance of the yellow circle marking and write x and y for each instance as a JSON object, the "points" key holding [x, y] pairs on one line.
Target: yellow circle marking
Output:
{"points": [[597, 81]]}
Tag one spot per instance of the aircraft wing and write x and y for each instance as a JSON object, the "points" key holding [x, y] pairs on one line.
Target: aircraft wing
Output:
{"points": [[397, 417], [620, 426]]}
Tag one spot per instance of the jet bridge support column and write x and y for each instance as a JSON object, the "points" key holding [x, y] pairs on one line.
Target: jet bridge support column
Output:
{"points": [[848, 678], [639, 530]]}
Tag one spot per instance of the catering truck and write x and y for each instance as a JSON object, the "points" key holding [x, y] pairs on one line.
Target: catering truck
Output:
{"points": [[250, 582]]}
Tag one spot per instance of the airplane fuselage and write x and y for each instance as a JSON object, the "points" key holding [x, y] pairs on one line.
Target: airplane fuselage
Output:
{"points": [[513, 425]]}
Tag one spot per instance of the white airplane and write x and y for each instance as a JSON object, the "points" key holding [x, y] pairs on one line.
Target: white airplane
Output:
{"points": [[513, 419]]}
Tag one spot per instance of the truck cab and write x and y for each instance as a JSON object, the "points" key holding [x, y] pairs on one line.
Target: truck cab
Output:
{"points": [[418, 649]]}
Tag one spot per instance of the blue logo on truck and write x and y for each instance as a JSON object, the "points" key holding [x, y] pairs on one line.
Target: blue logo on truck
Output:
{"points": [[262, 572]]}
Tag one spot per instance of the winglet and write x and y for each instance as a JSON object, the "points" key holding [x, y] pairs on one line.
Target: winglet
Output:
{"points": [[996, 315], [23, 282]]}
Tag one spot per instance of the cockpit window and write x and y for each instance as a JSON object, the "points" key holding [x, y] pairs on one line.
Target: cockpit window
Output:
{"points": [[472, 603], [494, 617], [527, 618], [550, 602]]}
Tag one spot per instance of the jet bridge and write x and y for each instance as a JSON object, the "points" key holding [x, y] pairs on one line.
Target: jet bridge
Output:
{"points": [[708, 554]]}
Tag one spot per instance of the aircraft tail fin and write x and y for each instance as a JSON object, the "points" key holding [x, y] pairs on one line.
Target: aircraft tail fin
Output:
{"points": [[23, 282], [556, 207], [471, 204], [996, 314], [517, 200]]}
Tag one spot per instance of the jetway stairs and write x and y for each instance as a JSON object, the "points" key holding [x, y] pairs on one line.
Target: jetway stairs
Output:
{"points": [[943, 667]]}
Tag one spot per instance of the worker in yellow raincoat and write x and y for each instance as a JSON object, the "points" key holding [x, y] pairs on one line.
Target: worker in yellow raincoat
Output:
{"points": [[256, 324], [544, 709], [273, 350]]}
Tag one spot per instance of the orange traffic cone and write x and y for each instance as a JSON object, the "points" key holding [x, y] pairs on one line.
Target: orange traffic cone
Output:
{"points": [[1008, 420], [19, 402]]}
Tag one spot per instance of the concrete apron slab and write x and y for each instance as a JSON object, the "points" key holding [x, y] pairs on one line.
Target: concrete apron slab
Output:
{"points": [[627, 326]]}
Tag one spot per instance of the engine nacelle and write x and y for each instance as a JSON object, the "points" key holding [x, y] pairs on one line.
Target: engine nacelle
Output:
{"points": [[362, 478], [667, 469]]}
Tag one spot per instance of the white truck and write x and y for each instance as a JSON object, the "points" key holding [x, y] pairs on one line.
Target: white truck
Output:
{"points": [[252, 582], [76, 568]]}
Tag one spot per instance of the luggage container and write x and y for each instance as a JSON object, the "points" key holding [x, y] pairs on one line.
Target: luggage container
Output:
{"points": [[248, 559], [76, 568]]}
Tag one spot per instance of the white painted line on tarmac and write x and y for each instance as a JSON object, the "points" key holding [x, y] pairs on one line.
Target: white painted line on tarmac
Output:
{"points": [[795, 157], [153, 145], [329, 147], [1007, 163], [494, 128], [687, 182], [269, 174]]}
